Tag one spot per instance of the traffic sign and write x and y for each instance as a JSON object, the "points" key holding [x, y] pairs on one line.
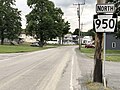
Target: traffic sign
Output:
{"points": [[105, 23], [105, 8]]}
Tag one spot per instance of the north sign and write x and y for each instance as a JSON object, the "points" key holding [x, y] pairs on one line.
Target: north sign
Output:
{"points": [[105, 8]]}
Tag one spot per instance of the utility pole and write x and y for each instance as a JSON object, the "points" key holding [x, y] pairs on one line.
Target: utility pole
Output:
{"points": [[98, 52], [78, 13], [79, 26], [81, 30]]}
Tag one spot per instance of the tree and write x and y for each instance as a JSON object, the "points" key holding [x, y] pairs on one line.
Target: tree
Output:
{"points": [[117, 11], [88, 33], [76, 32], [116, 3], [40, 20], [13, 24], [91, 32], [45, 21], [118, 32], [65, 30], [10, 21]]}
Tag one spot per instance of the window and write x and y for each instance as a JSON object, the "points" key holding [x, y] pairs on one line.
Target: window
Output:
{"points": [[113, 44]]}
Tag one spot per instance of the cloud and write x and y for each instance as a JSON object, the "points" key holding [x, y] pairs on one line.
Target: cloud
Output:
{"points": [[70, 12], [90, 1], [63, 3], [22, 6], [67, 3]]}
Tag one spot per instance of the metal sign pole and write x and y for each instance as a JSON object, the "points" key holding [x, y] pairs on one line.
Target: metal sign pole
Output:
{"points": [[104, 79]]}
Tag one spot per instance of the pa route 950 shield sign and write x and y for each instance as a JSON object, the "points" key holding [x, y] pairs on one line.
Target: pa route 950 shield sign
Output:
{"points": [[105, 23]]}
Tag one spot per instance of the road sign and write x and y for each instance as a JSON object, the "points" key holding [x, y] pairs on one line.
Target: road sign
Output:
{"points": [[105, 22], [105, 8]]}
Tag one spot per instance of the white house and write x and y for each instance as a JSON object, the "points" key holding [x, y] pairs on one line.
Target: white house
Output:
{"points": [[70, 39], [27, 38], [87, 39], [54, 41]]}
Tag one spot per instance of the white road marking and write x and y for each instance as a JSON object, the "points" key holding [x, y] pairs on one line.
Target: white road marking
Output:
{"points": [[71, 79]]}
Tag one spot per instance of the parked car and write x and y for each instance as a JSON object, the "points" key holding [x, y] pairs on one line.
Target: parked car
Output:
{"points": [[35, 44], [89, 46]]}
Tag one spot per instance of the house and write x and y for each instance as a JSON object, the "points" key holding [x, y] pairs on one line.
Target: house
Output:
{"points": [[87, 39], [111, 42], [70, 39], [27, 38], [75, 39], [53, 41]]}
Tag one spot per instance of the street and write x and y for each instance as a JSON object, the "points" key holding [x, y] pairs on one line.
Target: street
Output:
{"points": [[62, 68], [40, 70]]}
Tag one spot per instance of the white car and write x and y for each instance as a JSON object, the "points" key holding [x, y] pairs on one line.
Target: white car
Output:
{"points": [[35, 44]]}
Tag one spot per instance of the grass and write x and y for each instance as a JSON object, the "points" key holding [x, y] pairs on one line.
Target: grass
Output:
{"points": [[115, 57], [25, 47], [96, 86], [88, 50], [113, 51], [19, 48]]}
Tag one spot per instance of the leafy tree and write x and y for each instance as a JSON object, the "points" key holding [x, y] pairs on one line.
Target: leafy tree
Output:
{"points": [[88, 33], [45, 21], [76, 32], [65, 30], [13, 24], [40, 20], [10, 21], [118, 33], [116, 3], [91, 32], [117, 11]]}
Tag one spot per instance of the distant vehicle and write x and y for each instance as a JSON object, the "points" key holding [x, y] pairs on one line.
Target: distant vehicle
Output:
{"points": [[35, 44], [89, 46]]}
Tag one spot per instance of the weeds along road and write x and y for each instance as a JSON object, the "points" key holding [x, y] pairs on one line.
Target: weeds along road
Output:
{"points": [[62, 68]]}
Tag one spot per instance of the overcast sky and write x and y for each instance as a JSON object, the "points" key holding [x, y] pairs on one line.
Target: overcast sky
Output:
{"points": [[70, 12]]}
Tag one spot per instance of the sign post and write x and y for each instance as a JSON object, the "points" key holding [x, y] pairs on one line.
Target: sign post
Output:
{"points": [[104, 79], [104, 23]]}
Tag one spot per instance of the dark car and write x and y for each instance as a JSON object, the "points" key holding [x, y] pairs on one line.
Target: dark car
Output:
{"points": [[89, 46], [35, 44]]}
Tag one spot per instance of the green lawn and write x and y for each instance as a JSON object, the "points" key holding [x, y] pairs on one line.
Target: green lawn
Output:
{"points": [[113, 51], [115, 57], [88, 50], [25, 47], [19, 48]]}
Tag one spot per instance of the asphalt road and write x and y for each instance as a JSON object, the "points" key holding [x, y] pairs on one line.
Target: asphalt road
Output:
{"points": [[63, 68], [40, 70]]}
